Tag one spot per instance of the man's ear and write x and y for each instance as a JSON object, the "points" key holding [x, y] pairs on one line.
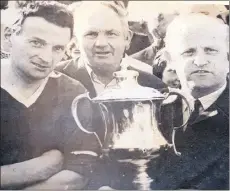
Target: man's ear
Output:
{"points": [[7, 33], [128, 39], [7, 38], [167, 55]]}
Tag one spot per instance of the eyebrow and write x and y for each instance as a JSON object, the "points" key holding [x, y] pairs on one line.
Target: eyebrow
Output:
{"points": [[112, 30], [190, 49], [107, 31], [60, 46], [187, 50], [41, 40], [211, 47]]}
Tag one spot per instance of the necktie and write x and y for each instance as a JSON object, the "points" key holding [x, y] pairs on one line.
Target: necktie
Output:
{"points": [[195, 114]]}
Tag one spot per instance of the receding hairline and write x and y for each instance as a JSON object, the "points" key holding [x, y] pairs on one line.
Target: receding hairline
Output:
{"points": [[81, 13], [183, 23]]}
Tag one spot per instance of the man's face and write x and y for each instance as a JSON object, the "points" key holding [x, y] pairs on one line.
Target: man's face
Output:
{"points": [[38, 48], [102, 39], [200, 59], [170, 77]]}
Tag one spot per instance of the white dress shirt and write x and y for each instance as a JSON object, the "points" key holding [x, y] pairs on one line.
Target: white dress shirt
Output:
{"points": [[98, 85], [209, 99], [206, 102], [126, 61]]}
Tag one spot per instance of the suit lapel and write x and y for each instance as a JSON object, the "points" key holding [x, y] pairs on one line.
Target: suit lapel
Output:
{"points": [[222, 103], [84, 78], [219, 107], [196, 160], [77, 70], [206, 114]]}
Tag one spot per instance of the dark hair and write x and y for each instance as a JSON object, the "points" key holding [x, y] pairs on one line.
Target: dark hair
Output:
{"points": [[158, 69], [160, 62], [4, 5], [52, 11]]}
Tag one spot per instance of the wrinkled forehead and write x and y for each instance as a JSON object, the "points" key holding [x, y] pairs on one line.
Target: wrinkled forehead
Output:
{"points": [[193, 36], [49, 32], [198, 37], [99, 17]]}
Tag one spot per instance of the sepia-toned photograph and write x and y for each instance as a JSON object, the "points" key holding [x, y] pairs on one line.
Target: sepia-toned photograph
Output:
{"points": [[114, 95]]}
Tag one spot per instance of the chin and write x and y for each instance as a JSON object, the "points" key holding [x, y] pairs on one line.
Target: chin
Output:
{"points": [[206, 88], [106, 67], [38, 76], [103, 63]]}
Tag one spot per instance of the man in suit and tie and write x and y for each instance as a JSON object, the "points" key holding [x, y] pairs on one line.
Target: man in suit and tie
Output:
{"points": [[103, 40], [198, 46]]}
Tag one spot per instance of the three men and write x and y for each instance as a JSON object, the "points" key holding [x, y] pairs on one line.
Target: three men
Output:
{"points": [[38, 131], [103, 40], [198, 46], [37, 128]]}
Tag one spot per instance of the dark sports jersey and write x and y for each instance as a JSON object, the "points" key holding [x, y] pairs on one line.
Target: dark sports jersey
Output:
{"points": [[28, 132]]}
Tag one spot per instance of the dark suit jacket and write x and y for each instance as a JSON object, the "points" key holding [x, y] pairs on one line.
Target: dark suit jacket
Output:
{"points": [[146, 55], [77, 71], [204, 163]]}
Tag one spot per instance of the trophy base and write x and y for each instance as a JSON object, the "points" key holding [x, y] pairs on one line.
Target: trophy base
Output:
{"points": [[132, 154], [139, 159]]}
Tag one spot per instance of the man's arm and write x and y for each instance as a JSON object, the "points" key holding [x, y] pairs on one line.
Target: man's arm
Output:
{"points": [[64, 180], [31, 171], [146, 55]]}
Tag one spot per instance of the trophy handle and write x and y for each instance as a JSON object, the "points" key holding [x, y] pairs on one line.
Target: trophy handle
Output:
{"points": [[74, 108], [105, 114], [177, 93]]}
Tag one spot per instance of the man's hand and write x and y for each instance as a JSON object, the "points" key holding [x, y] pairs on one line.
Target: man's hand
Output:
{"points": [[64, 180], [105, 188], [31, 171]]}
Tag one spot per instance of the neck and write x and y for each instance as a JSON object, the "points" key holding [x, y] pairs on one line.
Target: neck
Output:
{"points": [[104, 77], [20, 83], [198, 92]]}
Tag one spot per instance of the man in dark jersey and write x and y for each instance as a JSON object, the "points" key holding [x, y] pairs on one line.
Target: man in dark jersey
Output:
{"points": [[37, 127]]}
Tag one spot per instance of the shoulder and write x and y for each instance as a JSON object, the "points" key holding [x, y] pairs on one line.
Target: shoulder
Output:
{"points": [[6, 98], [137, 64], [223, 101], [147, 55], [145, 78], [70, 67], [67, 85], [62, 65]]}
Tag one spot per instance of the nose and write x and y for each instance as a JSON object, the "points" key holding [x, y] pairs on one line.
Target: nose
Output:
{"points": [[46, 54], [200, 60], [101, 41]]}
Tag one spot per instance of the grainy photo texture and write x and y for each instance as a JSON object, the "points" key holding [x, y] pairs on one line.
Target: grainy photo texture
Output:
{"points": [[114, 95]]}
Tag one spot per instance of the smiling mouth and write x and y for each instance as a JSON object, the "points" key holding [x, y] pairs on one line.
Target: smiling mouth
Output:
{"points": [[102, 53], [200, 72], [40, 66]]}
